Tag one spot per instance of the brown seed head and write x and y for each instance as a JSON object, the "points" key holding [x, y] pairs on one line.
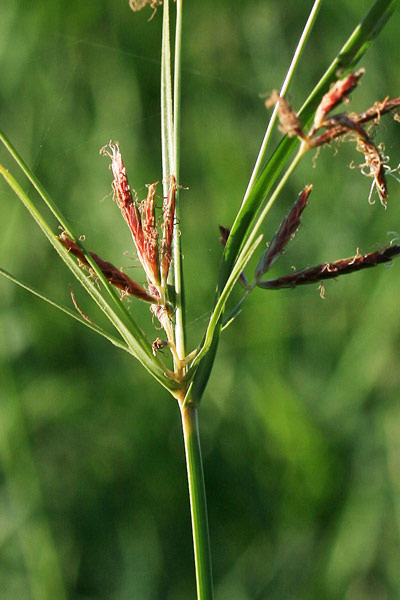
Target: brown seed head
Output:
{"points": [[287, 230], [333, 270], [289, 121]]}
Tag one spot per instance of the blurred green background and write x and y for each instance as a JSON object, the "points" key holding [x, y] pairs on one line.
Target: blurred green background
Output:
{"points": [[301, 420]]}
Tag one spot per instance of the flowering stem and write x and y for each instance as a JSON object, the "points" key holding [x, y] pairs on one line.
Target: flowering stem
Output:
{"points": [[198, 505], [289, 75], [166, 102], [170, 108], [178, 270]]}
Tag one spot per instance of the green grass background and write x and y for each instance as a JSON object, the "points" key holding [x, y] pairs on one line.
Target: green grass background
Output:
{"points": [[301, 420]]}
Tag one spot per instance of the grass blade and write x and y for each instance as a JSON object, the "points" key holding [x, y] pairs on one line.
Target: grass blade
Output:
{"points": [[177, 242]]}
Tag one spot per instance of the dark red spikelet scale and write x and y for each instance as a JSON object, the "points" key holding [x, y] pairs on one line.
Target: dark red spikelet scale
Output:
{"points": [[168, 228], [150, 235], [110, 272]]}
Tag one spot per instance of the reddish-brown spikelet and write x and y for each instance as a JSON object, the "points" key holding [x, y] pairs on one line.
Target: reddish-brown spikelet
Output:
{"points": [[342, 124], [150, 258], [123, 197], [285, 233], [338, 92], [337, 128], [332, 270], [289, 121], [111, 273], [122, 193], [168, 229]]}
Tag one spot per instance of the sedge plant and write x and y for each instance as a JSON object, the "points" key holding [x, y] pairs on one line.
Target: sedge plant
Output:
{"points": [[155, 225]]}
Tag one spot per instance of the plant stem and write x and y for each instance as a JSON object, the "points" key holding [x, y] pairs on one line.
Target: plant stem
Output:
{"points": [[288, 78], [198, 505], [167, 128], [178, 270]]}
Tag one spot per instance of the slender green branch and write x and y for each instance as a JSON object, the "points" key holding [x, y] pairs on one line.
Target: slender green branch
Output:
{"points": [[261, 218], [167, 128], [285, 86], [36, 184], [194, 465], [177, 251], [198, 505], [170, 126]]}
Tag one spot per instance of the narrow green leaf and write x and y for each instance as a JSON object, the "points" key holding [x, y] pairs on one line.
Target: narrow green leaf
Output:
{"points": [[180, 313], [285, 86], [118, 307]]}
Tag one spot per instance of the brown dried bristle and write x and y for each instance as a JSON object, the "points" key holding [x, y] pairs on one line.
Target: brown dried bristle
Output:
{"points": [[139, 4]]}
